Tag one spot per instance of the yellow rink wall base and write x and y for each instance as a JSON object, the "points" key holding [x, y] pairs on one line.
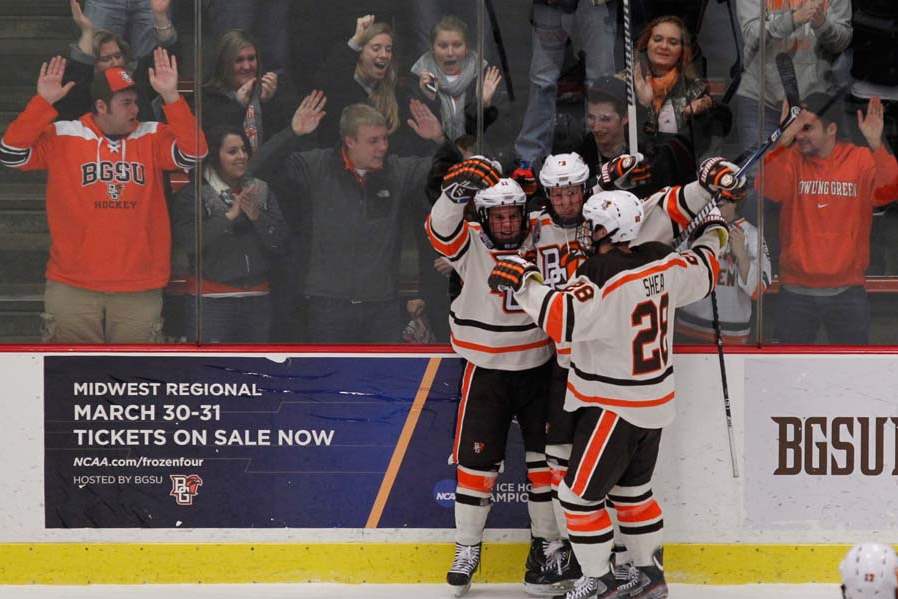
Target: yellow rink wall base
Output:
{"points": [[396, 563]]}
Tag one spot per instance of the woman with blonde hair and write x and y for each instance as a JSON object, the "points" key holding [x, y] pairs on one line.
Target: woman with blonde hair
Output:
{"points": [[368, 56], [239, 93]]}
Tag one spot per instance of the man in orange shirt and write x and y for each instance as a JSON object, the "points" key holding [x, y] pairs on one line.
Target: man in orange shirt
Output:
{"points": [[109, 228], [827, 188]]}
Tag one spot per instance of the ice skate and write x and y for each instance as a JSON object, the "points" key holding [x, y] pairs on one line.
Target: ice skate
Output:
{"points": [[551, 568], [466, 562]]}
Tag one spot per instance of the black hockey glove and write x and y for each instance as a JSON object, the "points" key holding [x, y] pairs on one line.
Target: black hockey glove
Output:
{"points": [[713, 221], [465, 179], [510, 273], [624, 172], [718, 176]]}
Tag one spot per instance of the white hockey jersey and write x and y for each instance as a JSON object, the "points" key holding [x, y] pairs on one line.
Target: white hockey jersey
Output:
{"points": [[558, 254], [489, 329], [617, 314], [734, 295]]}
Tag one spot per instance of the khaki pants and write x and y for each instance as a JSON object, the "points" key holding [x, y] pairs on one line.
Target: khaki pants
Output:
{"points": [[75, 315]]}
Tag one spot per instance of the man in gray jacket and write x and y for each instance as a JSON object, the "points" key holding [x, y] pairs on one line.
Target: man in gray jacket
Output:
{"points": [[348, 204]]}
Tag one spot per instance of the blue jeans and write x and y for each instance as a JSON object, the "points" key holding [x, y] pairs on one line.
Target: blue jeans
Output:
{"points": [[266, 20], [131, 19], [595, 28], [845, 317], [231, 319]]}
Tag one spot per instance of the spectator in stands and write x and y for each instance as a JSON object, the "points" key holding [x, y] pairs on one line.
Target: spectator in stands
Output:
{"points": [[99, 49], [813, 32], [266, 20], [827, 189], [744, 276], [667, 162], [109, 229], [593, 25], [447, 77], [361, 70], [141, 23], [676, 99], [352, 201], [240, 93], [242, 229]]}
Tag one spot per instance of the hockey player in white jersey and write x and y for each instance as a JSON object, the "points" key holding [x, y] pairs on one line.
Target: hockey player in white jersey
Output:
{"points": [[744, 276], [508, 361], [870, 571], [615, 315], [553, 246]]}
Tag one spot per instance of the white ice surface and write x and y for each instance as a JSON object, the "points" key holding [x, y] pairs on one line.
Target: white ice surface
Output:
{"points": [[424, 591]]}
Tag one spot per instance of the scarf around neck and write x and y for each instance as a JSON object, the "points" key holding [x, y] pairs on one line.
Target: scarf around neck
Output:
{"points": [[451, 93], [661, 86]]}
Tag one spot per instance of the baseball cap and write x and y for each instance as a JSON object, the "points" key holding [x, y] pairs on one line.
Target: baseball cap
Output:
{"points": [[110, 81]]}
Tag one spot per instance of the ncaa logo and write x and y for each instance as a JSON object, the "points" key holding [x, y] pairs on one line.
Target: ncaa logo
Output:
{"points": [[444, 493]]}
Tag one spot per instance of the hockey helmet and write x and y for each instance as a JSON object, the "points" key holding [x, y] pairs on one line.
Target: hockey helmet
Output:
{"points": [[506, 192], [564, 170], [620, 212], [869, 570]]}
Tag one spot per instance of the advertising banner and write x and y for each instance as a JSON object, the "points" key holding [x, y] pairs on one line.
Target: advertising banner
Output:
{"points": [[820, 437], [250, 442]]}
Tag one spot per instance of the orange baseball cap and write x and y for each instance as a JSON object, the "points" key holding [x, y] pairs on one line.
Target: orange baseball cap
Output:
{"points": [[109, 82]]}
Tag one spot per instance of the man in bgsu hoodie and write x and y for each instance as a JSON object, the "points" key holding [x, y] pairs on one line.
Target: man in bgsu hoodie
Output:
{"points": [[827, 188], [109, 227]]}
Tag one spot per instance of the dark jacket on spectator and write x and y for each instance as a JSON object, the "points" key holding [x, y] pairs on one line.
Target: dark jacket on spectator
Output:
{"points": [[352, 228], [221, 108], [236, 252]]}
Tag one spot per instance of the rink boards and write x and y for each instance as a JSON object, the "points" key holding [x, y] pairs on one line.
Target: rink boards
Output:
{"points": [[239, 467]]}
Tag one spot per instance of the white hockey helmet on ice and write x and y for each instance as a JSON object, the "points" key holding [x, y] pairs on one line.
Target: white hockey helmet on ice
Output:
{"points": [[561, 170], [869, 571], [564, 170], [620, 212], [506, 192]]}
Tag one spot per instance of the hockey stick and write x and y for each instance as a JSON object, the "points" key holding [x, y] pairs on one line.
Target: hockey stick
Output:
{"points": [[749, 162], [500, 47], [727, 410], [631, 74]]}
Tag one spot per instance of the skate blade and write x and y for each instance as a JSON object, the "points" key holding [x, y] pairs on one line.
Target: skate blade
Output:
{"points": [[459, 591], [548, 590]]}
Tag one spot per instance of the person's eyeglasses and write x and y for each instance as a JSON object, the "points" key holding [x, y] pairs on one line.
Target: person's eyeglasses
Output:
{"points": [[111, 57], [602, 118]]}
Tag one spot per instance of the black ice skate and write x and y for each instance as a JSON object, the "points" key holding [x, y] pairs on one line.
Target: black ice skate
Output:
{"points": [[630, 580], [653, 585], [466, 562], [590, 587], [551, 568]]}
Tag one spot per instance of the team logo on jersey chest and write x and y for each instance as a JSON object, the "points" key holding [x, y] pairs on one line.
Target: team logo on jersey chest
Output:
{"points": [[106, 171]]}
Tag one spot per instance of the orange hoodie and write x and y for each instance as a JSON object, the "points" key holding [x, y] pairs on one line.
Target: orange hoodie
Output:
{"points": [[827, 211], [106, 207]]}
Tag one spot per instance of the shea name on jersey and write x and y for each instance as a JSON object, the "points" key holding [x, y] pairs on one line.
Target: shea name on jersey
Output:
{"points": [[816, 187], [653, 284]]}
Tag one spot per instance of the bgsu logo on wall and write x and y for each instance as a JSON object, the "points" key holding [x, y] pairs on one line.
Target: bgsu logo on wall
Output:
{"points": [[836, 446], [184, 487]]}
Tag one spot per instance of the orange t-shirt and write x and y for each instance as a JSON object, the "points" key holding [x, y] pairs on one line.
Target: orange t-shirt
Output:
{"points": [[827, 211]]}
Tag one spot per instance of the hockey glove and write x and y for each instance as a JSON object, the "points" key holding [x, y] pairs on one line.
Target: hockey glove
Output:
{"points": [[624, 172], [465, 179], [511, 272], [714, 221], [718, 176], [524, 176]]}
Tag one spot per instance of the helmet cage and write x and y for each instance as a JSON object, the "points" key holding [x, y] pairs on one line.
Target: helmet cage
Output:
{"points": [[506, 192], [564, 170]]}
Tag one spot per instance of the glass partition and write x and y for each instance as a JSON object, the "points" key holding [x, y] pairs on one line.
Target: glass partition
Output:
{"points": [[329, 132]]}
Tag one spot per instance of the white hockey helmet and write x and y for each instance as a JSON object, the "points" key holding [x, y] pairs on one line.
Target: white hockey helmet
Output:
{"points": [[506, 192], [620, 212], [869, 570], [561, 170], [564, 170]]}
